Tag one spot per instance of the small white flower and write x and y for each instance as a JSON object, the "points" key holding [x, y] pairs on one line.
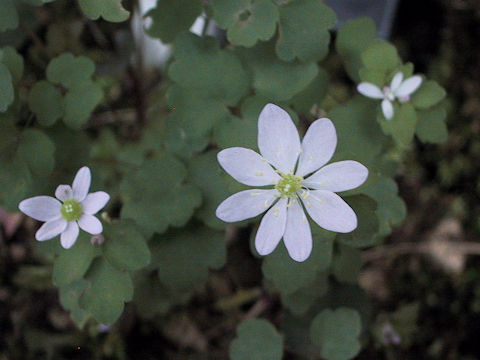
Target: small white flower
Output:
{"points": [[399, 89], [75, 208], [300, 181]]}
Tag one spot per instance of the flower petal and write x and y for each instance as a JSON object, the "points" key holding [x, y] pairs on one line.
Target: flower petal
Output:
{"points": [[370, 90], [90, 224], [51, 229], [318, 146], [81, 183], [387, 109], [64, 192], [338, 176], [329, 211], [278, 138], [247, 167], [246, 204], [94, 202], [298, 236], [69, 236], [42, 208], [271, 228], [408, 86], [396, 81]]}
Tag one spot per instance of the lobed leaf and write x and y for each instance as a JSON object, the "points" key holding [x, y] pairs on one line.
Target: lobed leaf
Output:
{"points": [[303, 30], [170, 18], [108, 290], [337, 331], [246, 21], [256, 339], [110, 10]]}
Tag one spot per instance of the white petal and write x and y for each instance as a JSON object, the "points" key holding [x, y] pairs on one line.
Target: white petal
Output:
{"points": [[370, 90], [64, 192], [271, 228], [90, 224], [51, 229], [278, 138], [408, 86], [396, 81], [94, 202], [42, 208], [318, 146], [329, 211], [338, 176], [297, 237], [247, 167], [246, 204], [69, 236], [81, 183], [387, 109]]}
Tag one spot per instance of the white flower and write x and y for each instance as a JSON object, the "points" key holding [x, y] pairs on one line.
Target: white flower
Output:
{"points": [[300, 181], [75, 208], [399, 89]]}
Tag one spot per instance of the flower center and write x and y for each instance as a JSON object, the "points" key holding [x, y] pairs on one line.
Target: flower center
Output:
{"points": [[388, 93], [289, 185], [71, 210]]}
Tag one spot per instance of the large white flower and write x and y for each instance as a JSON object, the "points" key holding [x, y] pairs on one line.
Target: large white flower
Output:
{"points": [[399, 89], [300, 181], [74, 208]]}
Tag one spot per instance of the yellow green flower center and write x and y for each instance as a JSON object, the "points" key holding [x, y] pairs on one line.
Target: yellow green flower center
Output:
{"points": [[71, 210], [289, 185]]}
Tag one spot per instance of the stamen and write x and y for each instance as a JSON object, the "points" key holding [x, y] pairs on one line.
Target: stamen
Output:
{"points": [[259, 173]]}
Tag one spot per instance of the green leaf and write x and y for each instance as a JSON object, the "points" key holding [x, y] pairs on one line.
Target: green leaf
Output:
{"points": [[428, 95], [125, 248], [7, 93], [359, 136], [69, 295], [288, 275], [207, 175], [155, 196], [337, 331], [347, 264], [300, 301], [354, 37], [246, 21], [403, 125], [275, 79], [303, 30], [70, 71], [109, 289], [37, 150], [169, 18], [13, 61], [373, 76], [431, 126], [200, 65], [16, 178], [110, 10], [196, 112], [151, 297], [80, 102], [72, 264], [368, 225], [313, 94], [46, 102], [234, 131], [184, 257], [381, 56], [256, 339], [391, 209], [8, 15], [180, 141]]}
